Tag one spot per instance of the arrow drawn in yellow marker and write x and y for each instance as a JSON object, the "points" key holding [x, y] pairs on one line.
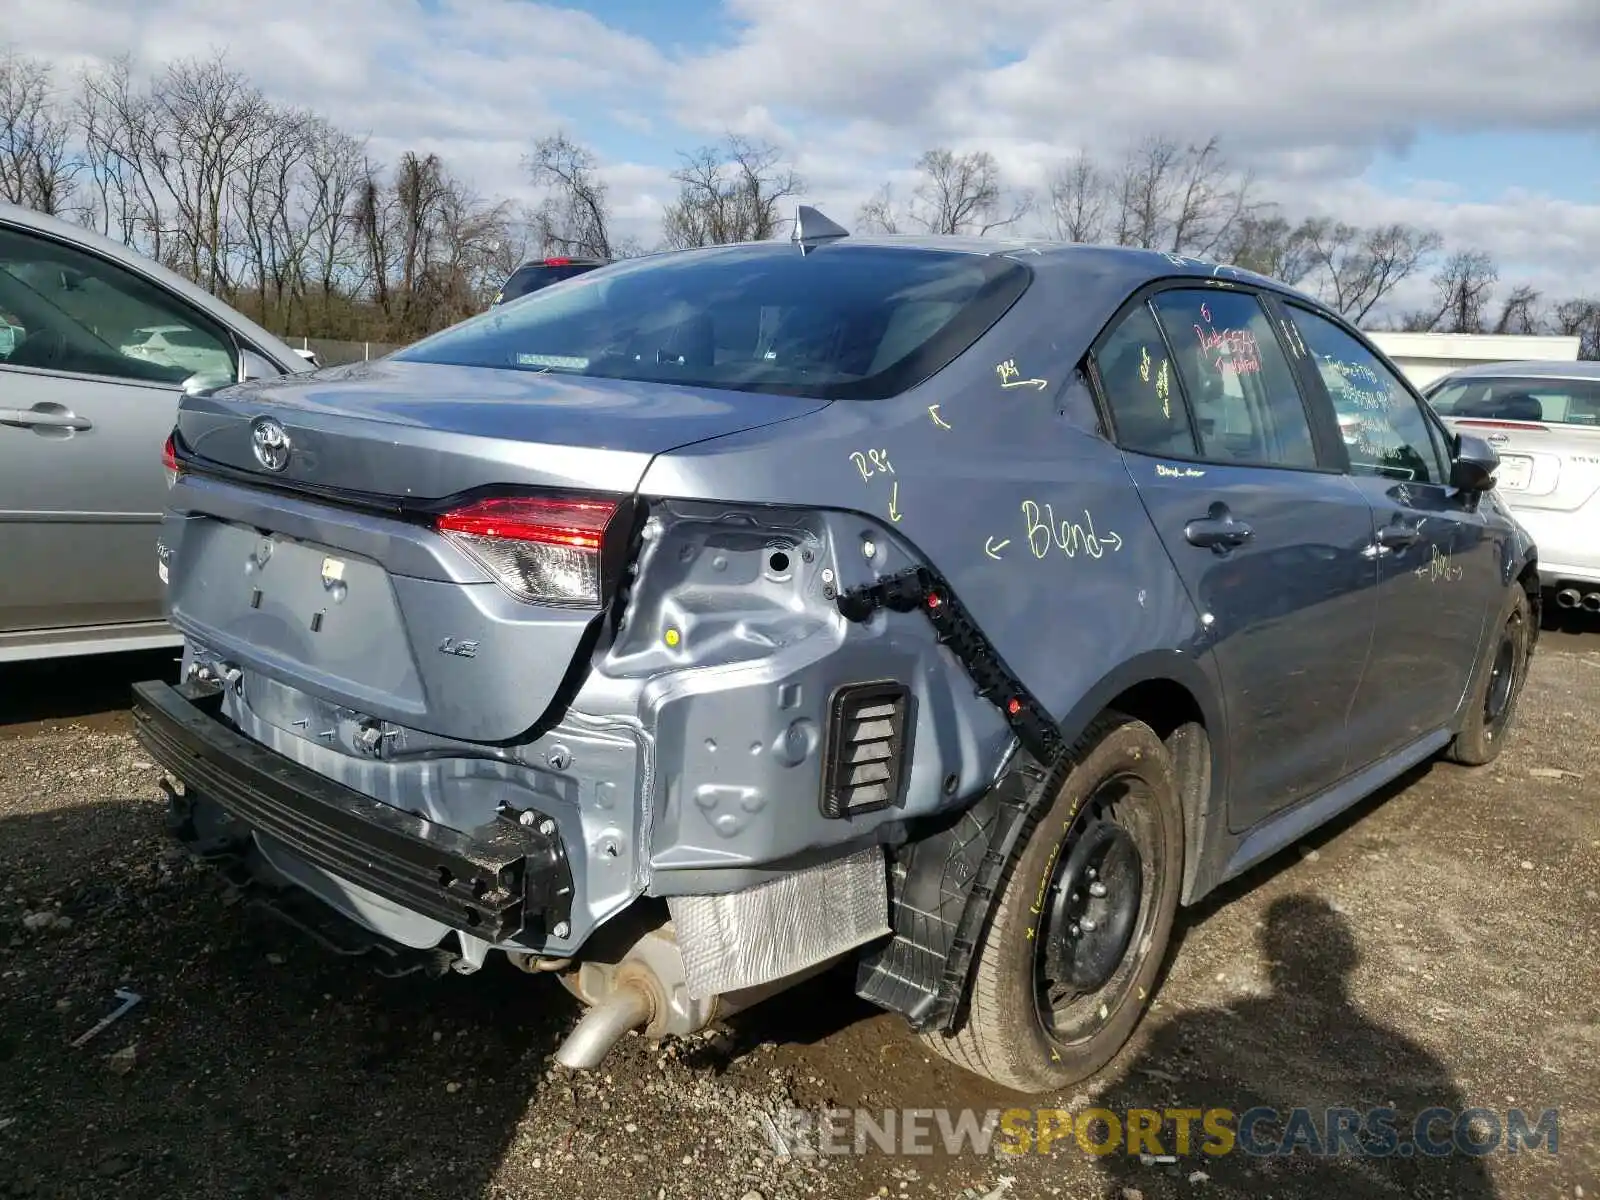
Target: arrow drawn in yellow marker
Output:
{"points": [[933, 411], [991, 547], [894, 501]]}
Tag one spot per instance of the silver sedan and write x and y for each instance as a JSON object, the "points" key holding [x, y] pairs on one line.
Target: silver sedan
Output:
{"points": [[97, 343]]}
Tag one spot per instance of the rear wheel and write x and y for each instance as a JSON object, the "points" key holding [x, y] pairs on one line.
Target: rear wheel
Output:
{"points": [[1065, 970], [1500, 679]]}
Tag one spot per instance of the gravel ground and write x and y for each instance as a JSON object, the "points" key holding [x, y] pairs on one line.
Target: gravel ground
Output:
{"points": [[1438, 945]]}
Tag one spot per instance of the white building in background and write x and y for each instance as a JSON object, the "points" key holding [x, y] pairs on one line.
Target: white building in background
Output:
{"points": [[1426, 356]]}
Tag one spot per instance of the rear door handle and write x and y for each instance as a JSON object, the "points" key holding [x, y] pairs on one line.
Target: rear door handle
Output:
{"points": [[1398, 537], [32, 418], [1219, 533]]}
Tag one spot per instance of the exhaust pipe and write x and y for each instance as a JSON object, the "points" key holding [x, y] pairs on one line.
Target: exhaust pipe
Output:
{"points": [[1591, 602], [1568, 598], [604, 1025]]}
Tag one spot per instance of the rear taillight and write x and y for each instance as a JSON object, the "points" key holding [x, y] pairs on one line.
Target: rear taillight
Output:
{"points": [[169, 460], [545, 550]]}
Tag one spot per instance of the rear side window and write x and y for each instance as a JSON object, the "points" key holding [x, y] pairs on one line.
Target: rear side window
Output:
{"points": [[1142, 390], [1247, 406], [839, 322], [533, 276], [1382, 424], [1552, 401]]}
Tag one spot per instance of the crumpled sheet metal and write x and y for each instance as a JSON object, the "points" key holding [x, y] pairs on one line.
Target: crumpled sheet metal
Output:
{"points": [[778, 928]]}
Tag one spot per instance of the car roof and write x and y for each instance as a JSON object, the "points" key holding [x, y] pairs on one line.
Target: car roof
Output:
{"points": [[86, 239], [1528, 369]]}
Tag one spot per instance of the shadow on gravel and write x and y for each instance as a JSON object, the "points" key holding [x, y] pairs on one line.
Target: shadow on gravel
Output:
{"points": [[1303, 1046], [262, 1066], [98, 687]]}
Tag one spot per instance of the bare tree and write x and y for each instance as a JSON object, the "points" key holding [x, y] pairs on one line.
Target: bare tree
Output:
{"points": [[1271, 246], [1520, 312], [1580, 318], [1182, 199], [37, 167], [729, 193], [573, 217], [1078, 200], [1354, 269], [963, 193], [1462, 287], [877, 212], [113, 116], [334, 171]]}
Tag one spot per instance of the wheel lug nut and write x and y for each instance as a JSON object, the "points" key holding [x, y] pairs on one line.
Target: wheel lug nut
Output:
{"points": [[1090, 873], [1097, 888], [1087, 923], [1074, 931]]}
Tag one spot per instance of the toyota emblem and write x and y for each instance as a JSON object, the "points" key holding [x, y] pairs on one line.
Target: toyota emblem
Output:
{"points": [[271, 444]]}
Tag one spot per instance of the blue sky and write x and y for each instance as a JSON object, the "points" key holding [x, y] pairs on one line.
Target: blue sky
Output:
{"points": [[1477, 121], [1483, 166]]}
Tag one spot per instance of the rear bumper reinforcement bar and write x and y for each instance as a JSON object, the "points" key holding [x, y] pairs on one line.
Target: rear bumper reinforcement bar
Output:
{"points": [[500, 881]]}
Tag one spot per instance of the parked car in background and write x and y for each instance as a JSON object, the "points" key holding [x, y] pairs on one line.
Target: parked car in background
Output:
{"points": [[1042, 572], [1544, 420], [97, 345], [540, 273], [196, 353]]}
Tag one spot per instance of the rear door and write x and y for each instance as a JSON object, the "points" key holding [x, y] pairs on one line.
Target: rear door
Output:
{"points": [[1438, 560], [84, 410], [1271, 540]]}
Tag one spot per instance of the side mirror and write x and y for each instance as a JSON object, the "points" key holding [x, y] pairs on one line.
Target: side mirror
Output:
{"points": [[253, 366], [1473, 468]]}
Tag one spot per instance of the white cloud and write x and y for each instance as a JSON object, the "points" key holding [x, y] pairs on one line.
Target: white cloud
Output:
{"points": [[1308, 93]]}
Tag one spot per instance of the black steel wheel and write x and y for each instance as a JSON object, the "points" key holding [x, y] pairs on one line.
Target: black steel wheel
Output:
{"points": [[1068, 963], [1500, 677]]}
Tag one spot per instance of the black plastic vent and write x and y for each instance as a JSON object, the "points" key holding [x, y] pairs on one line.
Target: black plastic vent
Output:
{"points": [[864, 757]]}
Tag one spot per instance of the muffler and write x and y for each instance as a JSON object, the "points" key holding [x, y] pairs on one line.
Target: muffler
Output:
{"points": [[1569, 598], [645, 987], [1591, 602]]}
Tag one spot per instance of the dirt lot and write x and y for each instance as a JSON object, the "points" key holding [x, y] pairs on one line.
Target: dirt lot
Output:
{"points": [[1438, 946]]}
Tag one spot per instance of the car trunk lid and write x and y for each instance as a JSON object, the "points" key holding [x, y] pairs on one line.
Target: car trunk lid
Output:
{"points": [[437, 544]]}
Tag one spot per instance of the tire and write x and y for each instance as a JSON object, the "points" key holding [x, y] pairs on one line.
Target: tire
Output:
{"points": [[1122, 792], [1500, 676]]}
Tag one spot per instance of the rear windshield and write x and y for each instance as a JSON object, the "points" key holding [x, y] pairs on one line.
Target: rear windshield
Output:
{"points": [[837, 323], [1553, 401], [534, 276]]}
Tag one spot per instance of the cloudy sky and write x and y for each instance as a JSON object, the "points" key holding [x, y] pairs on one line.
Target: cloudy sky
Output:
{"points": [[1474, 117]]}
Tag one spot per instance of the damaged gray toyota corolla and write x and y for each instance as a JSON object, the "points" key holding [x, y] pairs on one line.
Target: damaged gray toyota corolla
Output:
{"points": [[959, 607]]}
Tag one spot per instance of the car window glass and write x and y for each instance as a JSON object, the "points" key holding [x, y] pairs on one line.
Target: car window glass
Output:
{"points": [[532, 277], [1552, 401], [62, 309], [1239, 384], [840, 322], [1384, 430], [1141, 391]]}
